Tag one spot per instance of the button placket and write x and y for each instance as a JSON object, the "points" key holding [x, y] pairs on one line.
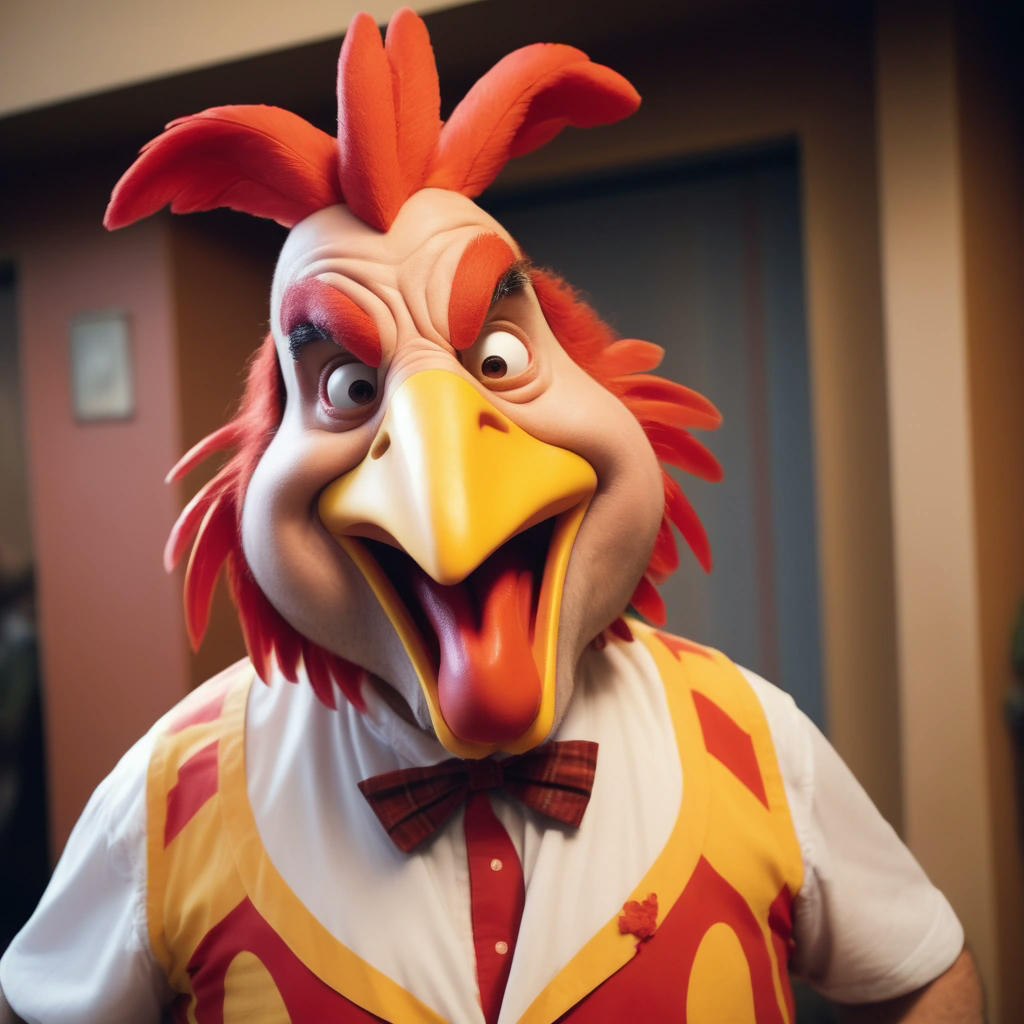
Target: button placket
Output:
{"points": [[497, 895]]}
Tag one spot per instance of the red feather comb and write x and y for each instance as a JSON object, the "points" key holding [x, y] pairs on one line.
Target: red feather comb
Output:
{"points": [[270, 163]]}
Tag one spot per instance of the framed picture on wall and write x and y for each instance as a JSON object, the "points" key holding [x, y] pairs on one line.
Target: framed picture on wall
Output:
{"points": [[102, 387]]}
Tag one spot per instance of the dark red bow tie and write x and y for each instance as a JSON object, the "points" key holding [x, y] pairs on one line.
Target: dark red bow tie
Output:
{"points": [[413, 803]]}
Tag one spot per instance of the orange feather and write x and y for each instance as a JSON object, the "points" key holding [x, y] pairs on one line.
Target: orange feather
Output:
{"points": [[646, 387], [675, 414], [665, 557], [217, 537], [521, 103], [219, 440], [627, 356], [648, 602], [188, 522], [368, 147], [684, 517], [260, 160], [678, 448], [417, 97]]}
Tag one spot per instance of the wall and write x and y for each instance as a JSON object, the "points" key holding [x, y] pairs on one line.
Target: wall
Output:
{"points": [[109, 618], [121, 42], [952, 243], [991, 155], [15, 533]]}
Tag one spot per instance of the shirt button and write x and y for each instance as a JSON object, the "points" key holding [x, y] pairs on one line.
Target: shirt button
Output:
{"points": [[501, 948], [496, 864]]}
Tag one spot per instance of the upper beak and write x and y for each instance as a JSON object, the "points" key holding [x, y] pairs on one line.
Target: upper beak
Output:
{"points": [[448, 480]]}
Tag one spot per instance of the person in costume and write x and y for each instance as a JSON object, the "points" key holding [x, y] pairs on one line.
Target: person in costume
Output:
{"points": [[455, 781]]}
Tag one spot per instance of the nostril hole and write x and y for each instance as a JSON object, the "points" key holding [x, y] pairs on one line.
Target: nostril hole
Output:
{"points": [[489, 418], [380, 446]]}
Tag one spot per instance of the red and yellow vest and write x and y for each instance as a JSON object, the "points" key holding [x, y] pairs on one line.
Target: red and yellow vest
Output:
{"points": [[723, 885]]}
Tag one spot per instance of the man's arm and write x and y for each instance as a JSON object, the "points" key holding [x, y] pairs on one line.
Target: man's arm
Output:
{"points": [[954, 997]]}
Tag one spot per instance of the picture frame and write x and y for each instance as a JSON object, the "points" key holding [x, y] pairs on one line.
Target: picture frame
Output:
{"points": [[102, 382]]}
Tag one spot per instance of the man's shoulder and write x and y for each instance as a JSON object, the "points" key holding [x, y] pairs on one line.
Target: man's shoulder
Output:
{"points": [[707, 667]]}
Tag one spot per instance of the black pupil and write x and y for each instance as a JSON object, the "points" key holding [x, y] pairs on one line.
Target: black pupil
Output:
{"points": [[494, 366], [361, 391]]}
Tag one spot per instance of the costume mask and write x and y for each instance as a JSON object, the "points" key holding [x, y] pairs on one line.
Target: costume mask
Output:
{"points": [[446, 474]]}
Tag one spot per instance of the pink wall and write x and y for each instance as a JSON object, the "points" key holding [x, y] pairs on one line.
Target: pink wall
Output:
{"points": [[114, 655]]}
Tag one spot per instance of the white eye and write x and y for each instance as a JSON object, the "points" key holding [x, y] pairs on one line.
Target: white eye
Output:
{"points": [[351, 385], [498, 355]]}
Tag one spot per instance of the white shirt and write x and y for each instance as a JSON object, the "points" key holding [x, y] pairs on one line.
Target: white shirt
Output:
{"points": [[869, 925]]}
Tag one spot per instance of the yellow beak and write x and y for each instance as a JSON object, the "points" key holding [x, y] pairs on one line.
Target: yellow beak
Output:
{"points": [[448, 480]]}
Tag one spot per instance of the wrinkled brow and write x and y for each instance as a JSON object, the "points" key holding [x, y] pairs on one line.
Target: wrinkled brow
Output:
{"points": [[488, 270], [312, 310]]}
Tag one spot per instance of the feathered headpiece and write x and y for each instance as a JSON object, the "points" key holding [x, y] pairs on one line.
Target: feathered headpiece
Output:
{"points": [[391, 143]]}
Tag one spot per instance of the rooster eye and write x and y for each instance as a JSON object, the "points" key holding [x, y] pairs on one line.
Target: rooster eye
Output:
{"points": [[350, 386], [498, 355]]}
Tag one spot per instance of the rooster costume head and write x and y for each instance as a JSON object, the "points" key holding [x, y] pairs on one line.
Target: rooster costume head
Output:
{"points": [[444, 476]]}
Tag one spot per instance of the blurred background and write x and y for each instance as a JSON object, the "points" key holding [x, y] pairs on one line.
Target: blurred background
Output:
{"points": [[817, 212]]}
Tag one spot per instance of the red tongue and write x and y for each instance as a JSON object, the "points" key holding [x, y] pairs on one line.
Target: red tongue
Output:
{"points": [[488, 686]]}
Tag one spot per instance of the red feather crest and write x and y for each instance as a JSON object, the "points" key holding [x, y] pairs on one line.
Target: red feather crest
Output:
{"points": [[389, 115], [269, 163], [259, 160], [525, 100]]}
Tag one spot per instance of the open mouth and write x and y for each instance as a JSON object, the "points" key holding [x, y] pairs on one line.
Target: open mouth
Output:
{"points": [[485, 647], [510, 578], [463, 525]]}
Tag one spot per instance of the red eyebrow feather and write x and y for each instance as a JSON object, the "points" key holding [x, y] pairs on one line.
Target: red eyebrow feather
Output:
{"points": [[480, 268], [347, 324]]}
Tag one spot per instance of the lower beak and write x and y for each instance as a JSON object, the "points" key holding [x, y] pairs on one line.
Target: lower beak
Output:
{"points": [[450, 481]]}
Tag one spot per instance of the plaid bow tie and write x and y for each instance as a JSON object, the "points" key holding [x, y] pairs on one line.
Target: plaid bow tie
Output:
{"points": [[412, 803]]}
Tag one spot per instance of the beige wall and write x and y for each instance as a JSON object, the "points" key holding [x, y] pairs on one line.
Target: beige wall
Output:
{"points": [[932, 491], [994, 278], [992, 174], [952, 245], [121, 42]]}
